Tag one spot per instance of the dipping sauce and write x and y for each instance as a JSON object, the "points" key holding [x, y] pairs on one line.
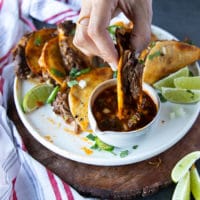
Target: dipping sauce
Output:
{"points": [[105, 112]]}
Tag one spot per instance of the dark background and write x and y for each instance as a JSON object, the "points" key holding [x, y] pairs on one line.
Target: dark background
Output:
{"points": [[179, 17], [182, 19]]}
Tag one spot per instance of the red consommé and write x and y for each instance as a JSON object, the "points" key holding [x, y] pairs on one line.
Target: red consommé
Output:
{"points": [[105, 112]]}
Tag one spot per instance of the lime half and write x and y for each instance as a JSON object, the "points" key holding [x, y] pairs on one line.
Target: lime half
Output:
{"points": [[178, 95], [195, 182], [182, 190], [169, 80], [36, 97], [183, 165], [188, 82]]}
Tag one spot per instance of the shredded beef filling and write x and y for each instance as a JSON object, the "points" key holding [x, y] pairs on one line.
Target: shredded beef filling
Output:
{"points": [[21, 68], [72, 57], [61, 107]]}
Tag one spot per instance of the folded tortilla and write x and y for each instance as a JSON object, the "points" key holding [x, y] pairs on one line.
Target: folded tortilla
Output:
{"points": [[79, 97], [166, 57]]}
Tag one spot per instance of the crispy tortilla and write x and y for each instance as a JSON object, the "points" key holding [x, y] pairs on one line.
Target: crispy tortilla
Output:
{"points": [[34, 47], [72, 57], [120, 92], [166, 57], [51, 61], [78, 97]]}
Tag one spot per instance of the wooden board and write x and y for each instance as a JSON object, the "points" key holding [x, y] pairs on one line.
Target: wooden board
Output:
{"points": [[119, 182]]}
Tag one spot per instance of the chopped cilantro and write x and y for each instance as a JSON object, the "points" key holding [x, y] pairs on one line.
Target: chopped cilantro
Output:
{"points": [[155, 54], [152, 44], [103, 146], [95, 146], [135, 147], [124, 153], [72, 83], [91, 137], [112, 29], [75, 72], [57, 73], [99, 144], [38, 41]]}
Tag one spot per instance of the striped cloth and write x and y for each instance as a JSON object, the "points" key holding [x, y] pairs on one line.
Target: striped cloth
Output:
{"points": [[22, 177]]}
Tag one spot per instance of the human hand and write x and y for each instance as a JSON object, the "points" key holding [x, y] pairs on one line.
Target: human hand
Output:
{"points": [[92, 36]]}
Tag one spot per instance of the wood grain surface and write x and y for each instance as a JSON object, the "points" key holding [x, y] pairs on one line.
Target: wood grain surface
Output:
{"points": [[118, 182]]}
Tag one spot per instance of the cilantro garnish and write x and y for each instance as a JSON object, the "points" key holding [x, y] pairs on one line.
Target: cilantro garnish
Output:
{"points": [[124, 153], [38, 41], [135, 147], [57, 73], [75, 72], [99, 144], [112, 29], [72, 83], [91, 137], [155, 54], [152, 44]]}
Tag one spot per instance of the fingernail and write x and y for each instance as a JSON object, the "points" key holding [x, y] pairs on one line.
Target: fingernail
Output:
{"points": [[113, 66]]}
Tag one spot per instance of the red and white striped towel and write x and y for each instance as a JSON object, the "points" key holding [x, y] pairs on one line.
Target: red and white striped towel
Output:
{"points": [[22, 177]]}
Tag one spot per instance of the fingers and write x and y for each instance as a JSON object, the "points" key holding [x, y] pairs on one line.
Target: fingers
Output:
{"points": [[140, 37], [99, 21], [142, 31], [140, 12], [81, 38], [91, 35]]}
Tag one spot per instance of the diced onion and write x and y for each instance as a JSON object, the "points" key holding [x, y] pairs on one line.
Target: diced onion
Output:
{"points": [[82, 83], [178, 111], [172, 115]]}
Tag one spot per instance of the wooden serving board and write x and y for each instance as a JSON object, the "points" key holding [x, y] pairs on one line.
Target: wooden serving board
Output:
{"points": [[118, 182]]}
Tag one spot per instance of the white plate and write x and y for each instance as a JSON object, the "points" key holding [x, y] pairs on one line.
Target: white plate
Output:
{"points": [[44, 124]]}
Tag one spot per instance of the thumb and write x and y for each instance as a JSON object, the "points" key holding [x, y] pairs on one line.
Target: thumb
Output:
{"points": [[140, 37]]}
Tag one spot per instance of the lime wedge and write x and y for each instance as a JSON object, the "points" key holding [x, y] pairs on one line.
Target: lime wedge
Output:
{"points": [[177, 95], [182, 190], [183, 165], [195, 182], [36, 97], [188, 82], [169, 80]]}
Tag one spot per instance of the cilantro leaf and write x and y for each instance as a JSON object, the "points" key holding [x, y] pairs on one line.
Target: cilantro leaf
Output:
{"points": [[124, 153], [72, 83], [135, 147], [91, 137]]}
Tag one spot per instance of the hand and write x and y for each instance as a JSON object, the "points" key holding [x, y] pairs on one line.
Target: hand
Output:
{"points": [[92, 37]]}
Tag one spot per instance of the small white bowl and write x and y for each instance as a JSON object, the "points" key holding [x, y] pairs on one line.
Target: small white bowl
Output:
{"points": [[121, 139]]}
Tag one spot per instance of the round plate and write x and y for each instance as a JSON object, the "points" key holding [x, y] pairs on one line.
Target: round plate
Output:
{"points": [[51, 130]]}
